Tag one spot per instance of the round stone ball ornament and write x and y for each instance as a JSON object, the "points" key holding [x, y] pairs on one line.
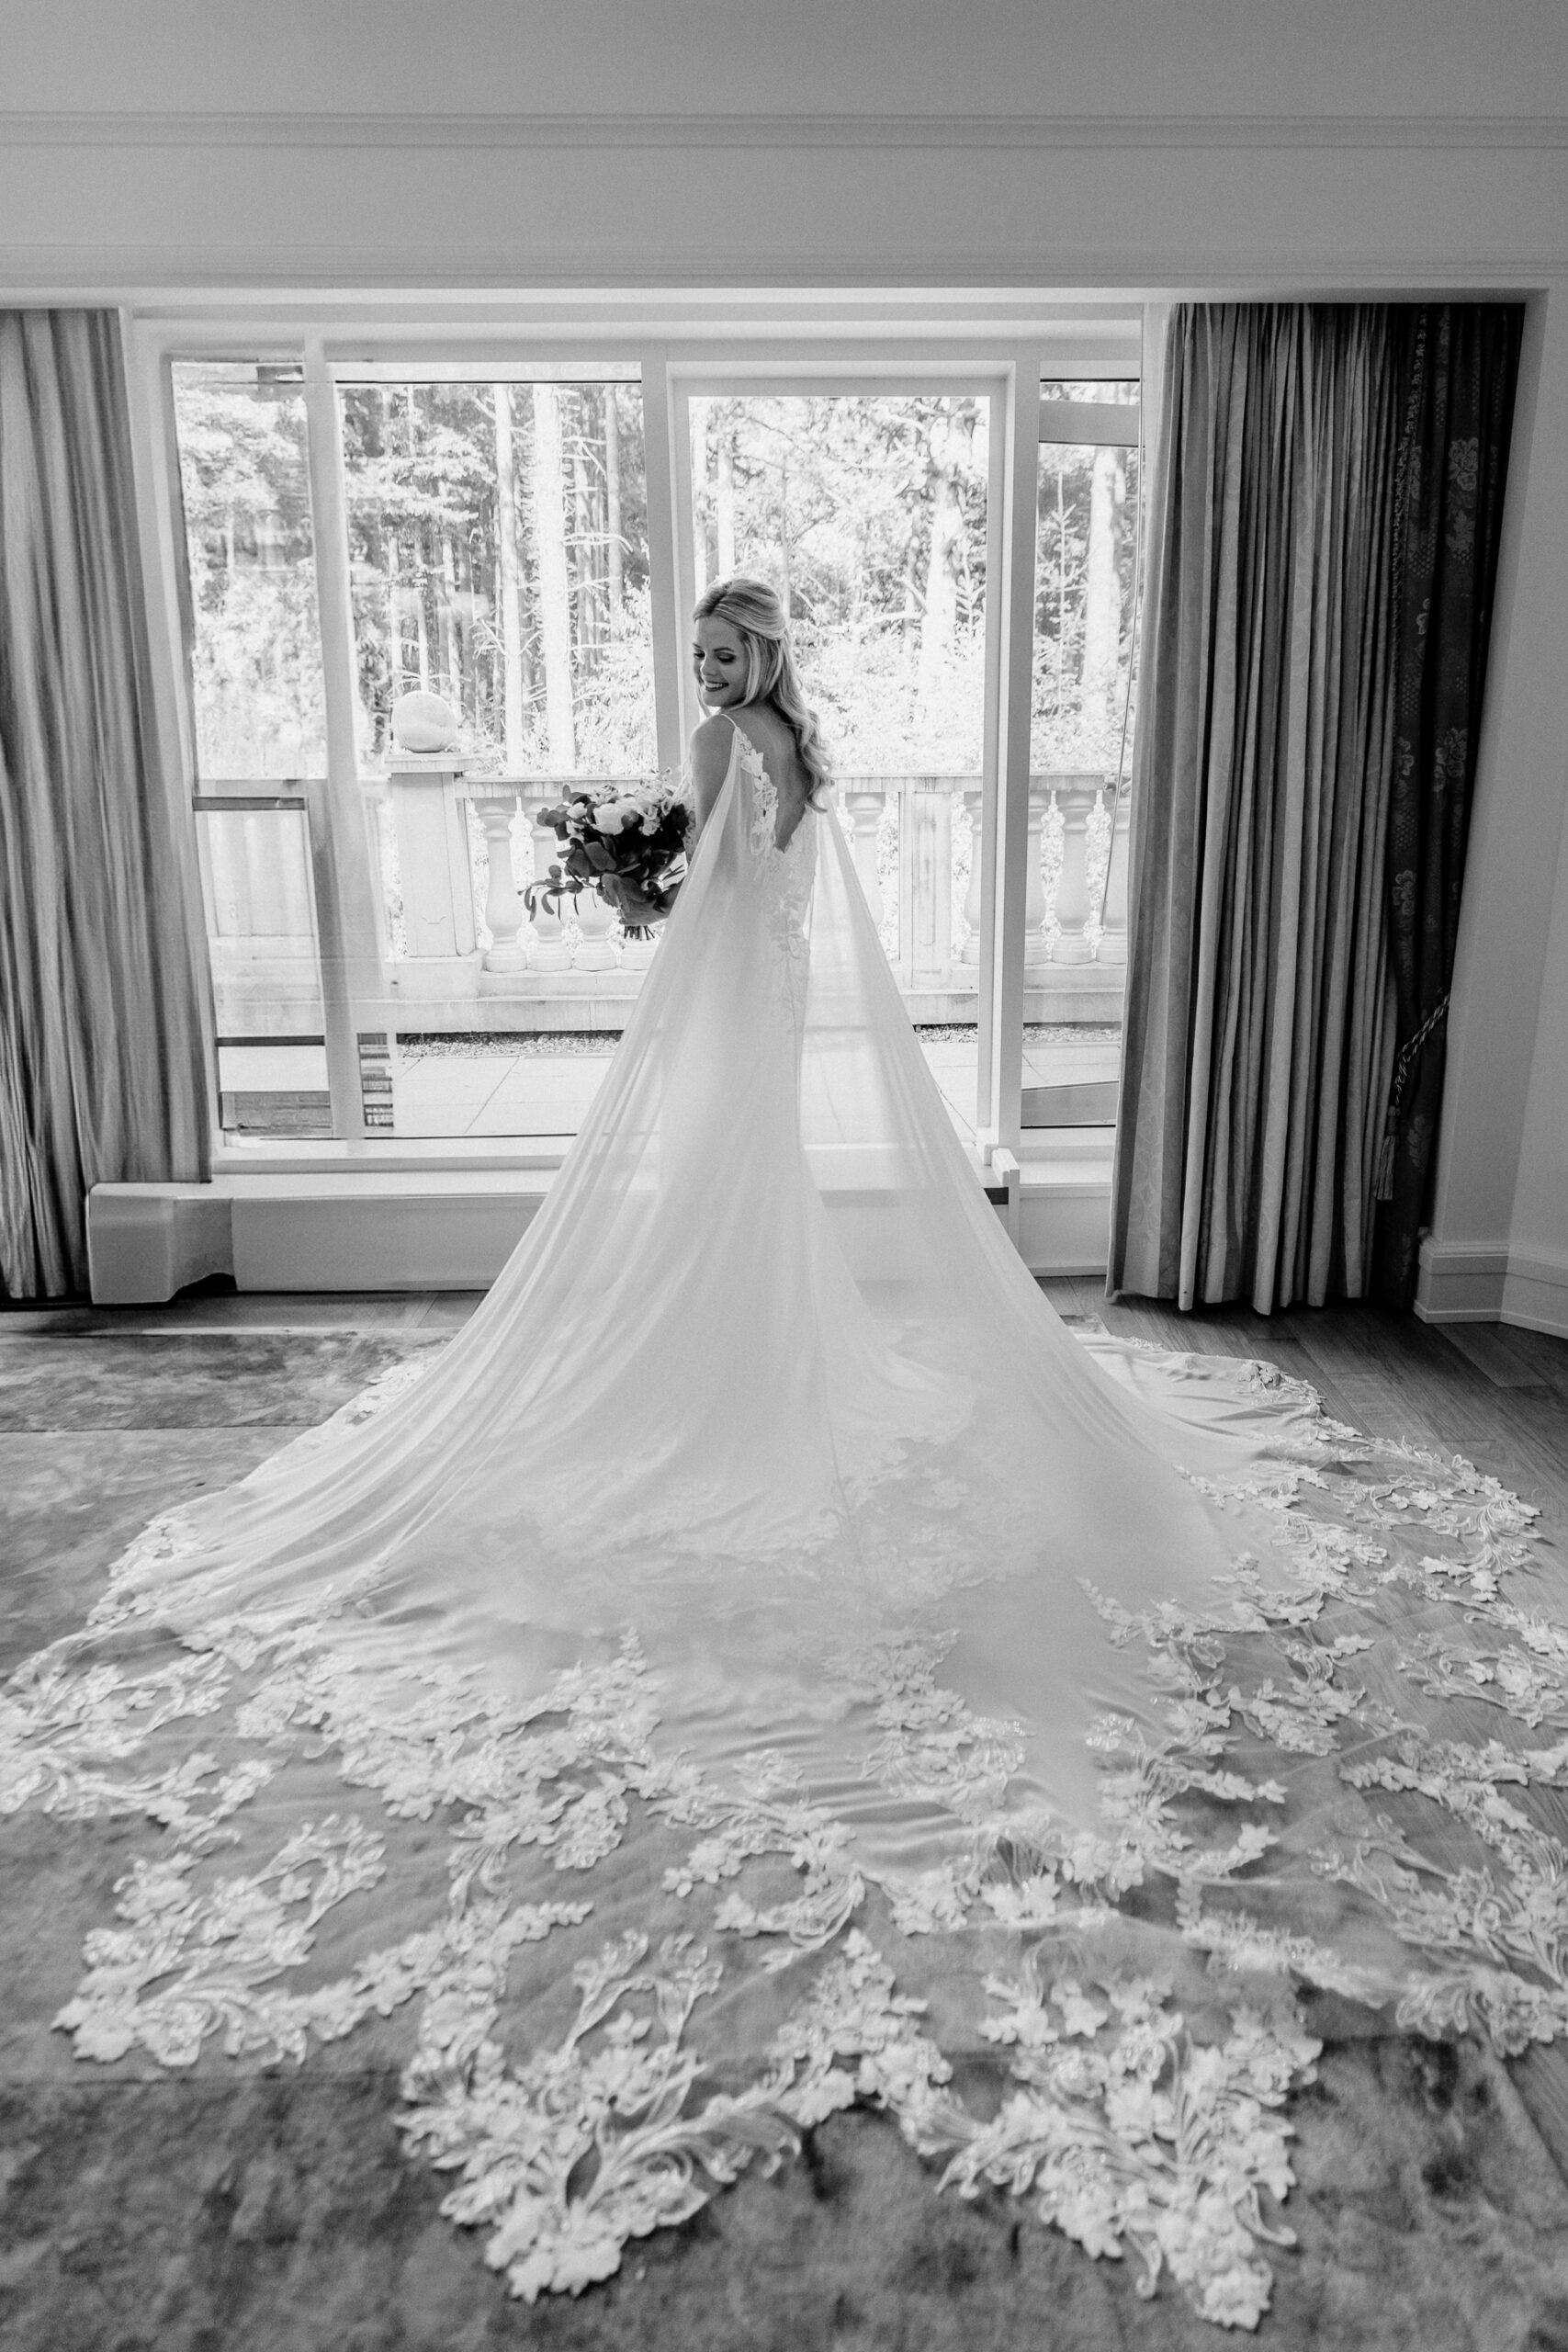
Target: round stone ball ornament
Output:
{"points": [[424, 722]]}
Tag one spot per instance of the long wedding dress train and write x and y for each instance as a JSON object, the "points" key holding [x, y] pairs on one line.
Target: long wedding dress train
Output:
{"points": [[766, 1558], [763, 1382]]}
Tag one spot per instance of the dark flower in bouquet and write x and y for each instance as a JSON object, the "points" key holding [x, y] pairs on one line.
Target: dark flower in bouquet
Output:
{"points": [[628, 842]]}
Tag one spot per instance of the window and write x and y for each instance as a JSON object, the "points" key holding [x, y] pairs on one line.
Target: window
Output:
{"points": [[508, 537], [869, 512], [498, 545], [1088, 552], [253, 667]]}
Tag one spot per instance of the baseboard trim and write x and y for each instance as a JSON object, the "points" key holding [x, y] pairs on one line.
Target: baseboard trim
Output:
{"points": [[1461, 1282], [1490, 1283], [446, 1229], [1535, 1293]]}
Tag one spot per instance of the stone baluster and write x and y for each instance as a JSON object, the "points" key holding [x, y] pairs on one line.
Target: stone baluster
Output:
{"points": [[548, 948], [931, 882], [596, 925], [1114, 938], [1076, 799], [637, 954], [1036, 913], [974, 801], [863, 807], [506, 955]]}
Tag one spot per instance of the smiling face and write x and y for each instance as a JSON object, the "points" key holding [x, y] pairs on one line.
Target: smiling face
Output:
{"points": [[718, 659]]}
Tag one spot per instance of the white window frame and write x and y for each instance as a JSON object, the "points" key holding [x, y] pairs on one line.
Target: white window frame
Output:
{"points": [[994, 348]]}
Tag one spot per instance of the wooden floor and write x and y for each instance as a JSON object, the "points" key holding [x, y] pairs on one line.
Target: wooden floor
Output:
{"points": [[1493, 1393], [1496, 1393]]}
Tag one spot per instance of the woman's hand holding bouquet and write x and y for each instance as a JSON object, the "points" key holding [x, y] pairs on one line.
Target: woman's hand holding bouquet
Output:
{"points": [[628, 843]]}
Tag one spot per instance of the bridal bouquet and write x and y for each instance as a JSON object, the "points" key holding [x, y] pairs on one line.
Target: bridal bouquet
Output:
{"points": [[628, 843]]}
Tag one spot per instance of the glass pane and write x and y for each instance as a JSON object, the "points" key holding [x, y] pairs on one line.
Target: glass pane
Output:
{"points": [[1087, 552], [255, 656], [868, 515], [261, 932], [498, 545], [498, 536]]}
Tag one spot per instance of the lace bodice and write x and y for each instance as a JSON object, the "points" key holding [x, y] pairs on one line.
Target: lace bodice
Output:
{"points": [[786, 876]]}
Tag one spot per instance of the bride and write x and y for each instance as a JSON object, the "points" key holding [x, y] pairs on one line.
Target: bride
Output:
{"points": [[766, 1560], [764, 1378]]}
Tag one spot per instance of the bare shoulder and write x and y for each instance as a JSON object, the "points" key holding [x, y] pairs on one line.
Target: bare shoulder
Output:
{"points": [[713, 743], [716, 733]]}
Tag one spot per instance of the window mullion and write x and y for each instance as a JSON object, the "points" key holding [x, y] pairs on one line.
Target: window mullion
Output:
{"points": [[348, 925], [1010, 655], [667, 618]]}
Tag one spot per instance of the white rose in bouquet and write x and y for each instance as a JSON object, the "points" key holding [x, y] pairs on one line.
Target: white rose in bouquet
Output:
{"points": [[610, 817]]}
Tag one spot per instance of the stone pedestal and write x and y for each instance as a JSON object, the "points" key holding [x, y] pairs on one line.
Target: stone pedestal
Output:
{"points": [[430, 826]]}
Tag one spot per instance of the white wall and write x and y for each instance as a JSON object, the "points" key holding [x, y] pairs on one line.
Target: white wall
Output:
{"points": [[1116, 57], [1306, 147], [1536, 1287], [1502, 1197]]}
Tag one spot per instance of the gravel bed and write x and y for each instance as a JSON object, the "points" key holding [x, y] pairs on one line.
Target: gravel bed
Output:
{"points": [[553, 1045], [557, 1044]]}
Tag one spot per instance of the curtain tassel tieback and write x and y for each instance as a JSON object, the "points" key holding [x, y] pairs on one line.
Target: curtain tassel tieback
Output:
{"points": [[1382, 1188]]}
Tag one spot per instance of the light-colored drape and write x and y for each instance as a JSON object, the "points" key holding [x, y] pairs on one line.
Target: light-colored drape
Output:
{"points": [[101, 1076], [1256, 1046]]}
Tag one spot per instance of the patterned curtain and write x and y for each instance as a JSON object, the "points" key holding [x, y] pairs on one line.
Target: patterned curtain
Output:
{"points": [[1256, 1062], [1463, 361], [101, 1073]]}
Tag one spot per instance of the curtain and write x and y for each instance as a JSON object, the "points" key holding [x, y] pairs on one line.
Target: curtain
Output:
{"points": [[1257, 1039], [1463, 367], [101, 1068]]}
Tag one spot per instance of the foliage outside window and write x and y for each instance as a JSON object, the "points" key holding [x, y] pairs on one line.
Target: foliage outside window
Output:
{"points": [[498, 542], [253, 637], [1084, 594], [868, 513]]}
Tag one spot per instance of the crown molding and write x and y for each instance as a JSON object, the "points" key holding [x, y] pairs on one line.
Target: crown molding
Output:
{"points": [[153, 277], [1025, 134]]}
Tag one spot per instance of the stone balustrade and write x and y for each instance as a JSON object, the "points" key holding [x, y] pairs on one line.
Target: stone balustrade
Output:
{"points": [[470, 956]]}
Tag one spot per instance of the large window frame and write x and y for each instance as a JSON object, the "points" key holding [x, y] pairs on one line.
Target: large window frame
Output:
{"points": [[772, 346]]}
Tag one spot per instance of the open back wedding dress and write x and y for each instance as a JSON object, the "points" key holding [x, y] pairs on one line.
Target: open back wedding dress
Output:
{"points": [[818, 1664]]}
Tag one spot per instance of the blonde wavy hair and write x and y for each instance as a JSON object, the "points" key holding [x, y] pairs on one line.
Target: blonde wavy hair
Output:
{"points": [[754, 612]]}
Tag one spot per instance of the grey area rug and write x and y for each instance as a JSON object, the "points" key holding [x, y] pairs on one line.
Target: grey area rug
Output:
{"points": [[238, 2206]]}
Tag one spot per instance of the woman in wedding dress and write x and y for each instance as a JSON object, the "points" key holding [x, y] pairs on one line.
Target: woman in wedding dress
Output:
{"points": [[765, 1560], [764, 1378]]}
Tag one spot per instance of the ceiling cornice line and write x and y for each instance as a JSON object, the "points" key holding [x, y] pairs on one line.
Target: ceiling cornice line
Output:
{"points": [[256, 275], [1026, 133]]}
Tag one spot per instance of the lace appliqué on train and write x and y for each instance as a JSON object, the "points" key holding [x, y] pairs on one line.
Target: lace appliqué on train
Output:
{"points": [[1304, 1829]]}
